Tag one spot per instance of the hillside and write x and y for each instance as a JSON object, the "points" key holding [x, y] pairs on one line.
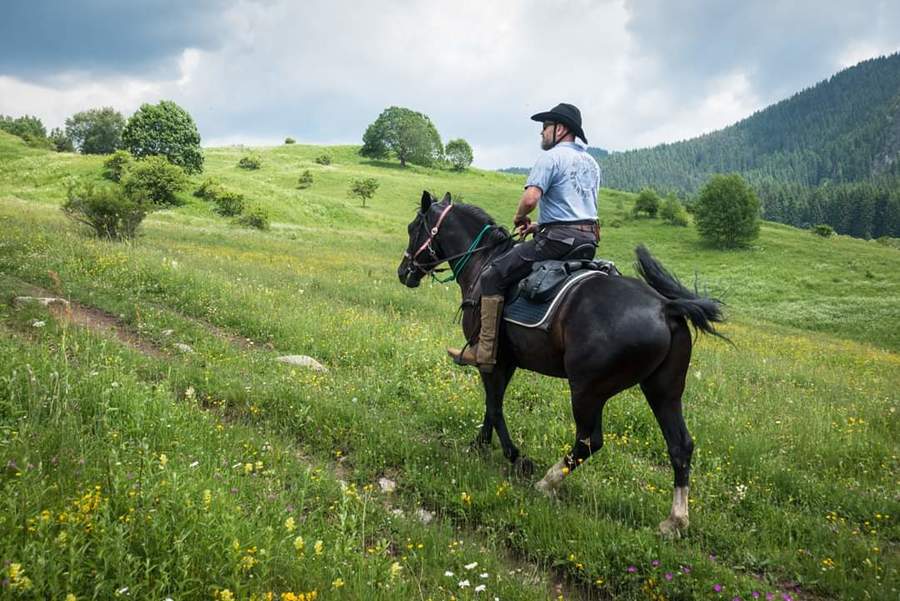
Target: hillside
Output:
{"points": [[804, 155], [132, 464]]}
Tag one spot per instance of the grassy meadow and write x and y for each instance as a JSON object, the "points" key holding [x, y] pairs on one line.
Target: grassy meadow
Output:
{"points": [[132, 466]]}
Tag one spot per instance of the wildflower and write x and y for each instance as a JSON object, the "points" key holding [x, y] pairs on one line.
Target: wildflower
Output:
{"points": [[226, 595], [318, 547], [289, 524], [464, 584], [471, 566], [207, 498], [449, 574], [163, 460], [655, 563], [71, 597], [248, 468], [755, 594], [466, 498], [338, 583], [717, 588], [299, 544], [631, 569], [686, 569], [480, 588], [395, 569], [483, 575], [668, 576]]}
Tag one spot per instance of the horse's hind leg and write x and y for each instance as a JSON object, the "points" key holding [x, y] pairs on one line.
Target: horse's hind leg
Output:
{"points": [[663, 390], [587, 407]]}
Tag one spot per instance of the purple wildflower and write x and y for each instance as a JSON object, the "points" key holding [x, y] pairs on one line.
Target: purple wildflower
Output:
{"points": [[755, 594], [631, 569], [655, 563], [712, 557], [668, 576], [770, 596], [736, 598], [717, 588], [786, 597], [686, 569]]}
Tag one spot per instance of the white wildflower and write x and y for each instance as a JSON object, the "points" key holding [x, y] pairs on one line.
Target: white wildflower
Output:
{"points": [[480, 588], [471, 566], [464, 584]]}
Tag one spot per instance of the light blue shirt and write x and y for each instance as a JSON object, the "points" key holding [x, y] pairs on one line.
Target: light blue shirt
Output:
{"points": [[569, 178]]}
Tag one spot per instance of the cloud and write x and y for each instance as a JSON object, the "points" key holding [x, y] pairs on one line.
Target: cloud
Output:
{"points": [[42, 38], [642, 71]]}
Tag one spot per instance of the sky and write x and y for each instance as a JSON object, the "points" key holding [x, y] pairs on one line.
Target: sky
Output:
{"points": [[252, 72]]}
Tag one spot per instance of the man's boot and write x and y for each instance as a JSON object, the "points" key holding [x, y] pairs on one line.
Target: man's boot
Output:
{"points": [[484, 352]]}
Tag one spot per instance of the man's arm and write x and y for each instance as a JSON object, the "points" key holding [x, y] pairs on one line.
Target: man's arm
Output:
{"points": [[527, 203]]}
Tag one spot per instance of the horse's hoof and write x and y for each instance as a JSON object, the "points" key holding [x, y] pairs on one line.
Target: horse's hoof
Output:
{"points": [[523, 466], [480, 444], [545, 488], [673, 527]]}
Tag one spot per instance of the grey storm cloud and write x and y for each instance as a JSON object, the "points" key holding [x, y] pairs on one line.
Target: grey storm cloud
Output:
{"points": [[779, 46], [40, 38]]}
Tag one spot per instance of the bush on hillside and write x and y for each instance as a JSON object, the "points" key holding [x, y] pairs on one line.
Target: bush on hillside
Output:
{"points": [[459, 154], [323, 159], [305, 180], [251, 161], [363, 188], [26, 127], [229, 204], [647, 202], [97, 131], [155, 180], [107, 210], [209, 190], [824, 230], [257, 218], [727, 211], [115, 166], [164, 129], [290, 141], [673, 212], [61, 142]]}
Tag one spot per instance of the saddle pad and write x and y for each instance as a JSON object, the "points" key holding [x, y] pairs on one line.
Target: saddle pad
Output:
{"points": [[523, 312]]}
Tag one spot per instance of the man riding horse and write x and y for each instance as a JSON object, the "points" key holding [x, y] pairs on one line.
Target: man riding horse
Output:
{"points": [[564, 181]]}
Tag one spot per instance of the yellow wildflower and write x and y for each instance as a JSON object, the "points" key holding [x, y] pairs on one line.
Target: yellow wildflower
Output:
{"points": [[71, 597], [338, 583], [289, 524], [207, 498], [226, 595], [248, 468], [299, 544], [163, 460], [247, 562], [395, 569], [318, 547]]}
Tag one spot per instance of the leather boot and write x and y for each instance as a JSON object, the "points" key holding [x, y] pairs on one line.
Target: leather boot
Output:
{"points": [[484, 352]]}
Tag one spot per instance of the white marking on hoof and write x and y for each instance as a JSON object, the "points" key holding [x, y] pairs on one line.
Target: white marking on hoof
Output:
{"points": [[677, 521], [552, 479]]}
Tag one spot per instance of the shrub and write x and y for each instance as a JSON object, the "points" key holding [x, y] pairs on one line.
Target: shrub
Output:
{"points": [[209, 190], [290, 141], [673, 212], [727, 211], [164, 129], [323, 159], [116, 165], [154, 180], [251, 161], [647, 202], [229, 204], [26, 127], [257, 218], [459, 154], [408, 135], [97, 131], [61, 141], [306, 179], [823, 229], [363, 188], [106, 209]]}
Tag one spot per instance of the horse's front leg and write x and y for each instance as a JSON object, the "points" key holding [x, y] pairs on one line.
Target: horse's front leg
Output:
{"points": [[495, 384]]}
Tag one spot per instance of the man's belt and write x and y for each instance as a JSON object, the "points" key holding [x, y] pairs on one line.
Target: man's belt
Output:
{"points": [[591, 227]]}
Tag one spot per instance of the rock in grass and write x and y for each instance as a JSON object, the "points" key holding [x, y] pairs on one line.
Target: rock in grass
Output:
{"points": [[387, 485], [302, 361], [184, 348], [44, 301]]}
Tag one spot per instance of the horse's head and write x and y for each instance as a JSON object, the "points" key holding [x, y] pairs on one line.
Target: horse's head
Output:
{"points": [[423, 254]]}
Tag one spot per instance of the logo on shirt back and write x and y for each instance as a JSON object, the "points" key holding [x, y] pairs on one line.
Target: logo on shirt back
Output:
{"points": [[585, 177]]}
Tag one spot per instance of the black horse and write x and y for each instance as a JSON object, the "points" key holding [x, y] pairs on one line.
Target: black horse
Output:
{"points": [[608, 334]]}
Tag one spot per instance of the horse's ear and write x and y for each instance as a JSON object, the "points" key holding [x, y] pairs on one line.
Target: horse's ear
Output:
{"points": [[427, 200], [447, 198]]}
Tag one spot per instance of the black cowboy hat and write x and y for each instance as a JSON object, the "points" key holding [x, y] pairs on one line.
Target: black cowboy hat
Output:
{"points": [[567, 114]]}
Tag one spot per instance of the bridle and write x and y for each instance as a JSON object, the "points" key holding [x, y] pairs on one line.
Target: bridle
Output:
{"points": [[430, 267]]}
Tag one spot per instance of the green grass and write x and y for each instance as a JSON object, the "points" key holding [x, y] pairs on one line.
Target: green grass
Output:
{"points": [[795, 473]]}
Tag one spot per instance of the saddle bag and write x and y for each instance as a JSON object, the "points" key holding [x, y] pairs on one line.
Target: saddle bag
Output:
{"points": [[547, 276]]}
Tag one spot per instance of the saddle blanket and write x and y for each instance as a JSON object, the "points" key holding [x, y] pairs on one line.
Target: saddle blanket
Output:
{"points": [[529, 314]]}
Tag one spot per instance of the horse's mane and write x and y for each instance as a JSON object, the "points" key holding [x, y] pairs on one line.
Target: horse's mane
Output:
{"points": [[475, 212]]}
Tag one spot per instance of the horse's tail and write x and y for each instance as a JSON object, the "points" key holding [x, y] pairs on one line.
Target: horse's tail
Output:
{"points": [[702, 311]]}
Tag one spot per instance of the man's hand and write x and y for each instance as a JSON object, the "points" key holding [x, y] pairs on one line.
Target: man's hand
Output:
{"points": [[526, 227]]}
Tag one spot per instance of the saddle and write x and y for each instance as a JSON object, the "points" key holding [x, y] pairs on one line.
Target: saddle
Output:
{"points": [[533, 300]]}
